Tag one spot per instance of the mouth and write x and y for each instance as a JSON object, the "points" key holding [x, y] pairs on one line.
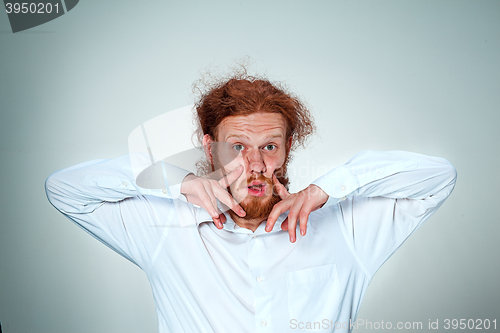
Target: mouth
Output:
{"points": [[257, 189]]}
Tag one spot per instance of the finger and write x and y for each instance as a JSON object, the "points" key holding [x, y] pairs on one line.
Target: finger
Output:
{"points": [[280, 189], [304, 217], [284, 225], [228, 200], [293, 215], [213, 199], [303, 222], [305, 211], [208, 202], [277, 210], [202, 199], [220, 218], [219, 221], [228, 179]]}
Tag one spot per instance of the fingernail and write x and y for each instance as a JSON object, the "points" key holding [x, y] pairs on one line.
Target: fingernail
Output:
{"points": [[292, 239], [302, 232]]}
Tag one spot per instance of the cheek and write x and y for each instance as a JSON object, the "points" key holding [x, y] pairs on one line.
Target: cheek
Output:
{"points": [[228, 157], [230, 164], [274, 162]]}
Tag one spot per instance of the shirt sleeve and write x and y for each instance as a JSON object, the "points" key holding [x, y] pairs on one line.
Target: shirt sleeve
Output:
{"points": [[383, 197], [103, 198]]}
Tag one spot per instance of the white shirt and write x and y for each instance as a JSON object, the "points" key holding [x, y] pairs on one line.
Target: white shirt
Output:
{"points": [[235, 280]]}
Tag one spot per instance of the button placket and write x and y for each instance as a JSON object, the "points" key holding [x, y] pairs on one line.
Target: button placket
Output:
{"points": [[257, 254]]}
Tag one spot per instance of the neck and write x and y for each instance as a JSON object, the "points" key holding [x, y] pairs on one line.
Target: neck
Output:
{"points": [[251, 224]]}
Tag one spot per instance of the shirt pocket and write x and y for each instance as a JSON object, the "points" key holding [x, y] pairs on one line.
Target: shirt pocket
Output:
{"points": [[314, 295]]}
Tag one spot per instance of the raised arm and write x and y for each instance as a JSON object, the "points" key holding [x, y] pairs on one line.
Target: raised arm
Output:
{"points": [[384, 197], [391, 174], [103, 198], [371, 174], [84, 187]]}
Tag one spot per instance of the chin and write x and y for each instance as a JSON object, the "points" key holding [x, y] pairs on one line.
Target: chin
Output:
{"points": [[258, 207]]}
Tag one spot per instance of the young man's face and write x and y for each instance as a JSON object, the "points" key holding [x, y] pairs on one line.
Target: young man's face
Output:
{"points": [[258, 143]]}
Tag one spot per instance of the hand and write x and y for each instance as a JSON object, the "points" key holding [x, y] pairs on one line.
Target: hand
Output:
{"points": [[204, 192], [300, 204]]}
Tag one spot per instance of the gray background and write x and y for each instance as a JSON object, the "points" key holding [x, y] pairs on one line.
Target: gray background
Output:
{"points": [[422, 76]]}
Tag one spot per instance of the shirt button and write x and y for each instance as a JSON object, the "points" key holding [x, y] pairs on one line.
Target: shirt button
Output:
{"points": [[164, 191], [254, 236], [124, 184], [263, 323], [380, 172], [259, 279], [342, 187]]}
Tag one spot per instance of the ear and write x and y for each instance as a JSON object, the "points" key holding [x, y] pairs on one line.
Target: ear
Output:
{"points": [[207, 147], [289, 145]]}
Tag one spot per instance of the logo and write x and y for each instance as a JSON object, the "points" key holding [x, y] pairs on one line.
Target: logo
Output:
{"points": [[28, 14]]}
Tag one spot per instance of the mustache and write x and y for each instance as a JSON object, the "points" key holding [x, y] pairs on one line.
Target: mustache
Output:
{"points": [[259, 178]]}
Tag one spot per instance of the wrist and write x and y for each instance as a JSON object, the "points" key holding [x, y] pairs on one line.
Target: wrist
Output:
{"points": [[187, 178]]}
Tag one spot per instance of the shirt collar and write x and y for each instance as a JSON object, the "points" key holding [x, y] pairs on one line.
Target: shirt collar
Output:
{"points": [[202, 216]]}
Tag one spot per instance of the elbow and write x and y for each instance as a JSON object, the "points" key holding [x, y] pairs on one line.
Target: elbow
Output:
{"points": [[54, 192], [50, 189], [449, 174], [451, 171]]}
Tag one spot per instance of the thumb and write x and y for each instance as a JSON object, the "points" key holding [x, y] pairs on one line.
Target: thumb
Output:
{"points": [[279, 188]]}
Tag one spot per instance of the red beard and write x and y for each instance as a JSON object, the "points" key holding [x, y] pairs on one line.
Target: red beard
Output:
{"points": [[255, 207], [261, 207]]}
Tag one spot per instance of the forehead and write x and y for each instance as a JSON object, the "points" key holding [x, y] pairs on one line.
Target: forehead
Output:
{"points": [[256, 124]]}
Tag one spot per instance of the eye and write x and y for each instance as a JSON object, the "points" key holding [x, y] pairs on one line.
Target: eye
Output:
{"points": [[270, 147], [238, 147]]}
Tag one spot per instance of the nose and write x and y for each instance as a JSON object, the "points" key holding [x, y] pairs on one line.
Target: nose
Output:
{"points": [[255, 162]]}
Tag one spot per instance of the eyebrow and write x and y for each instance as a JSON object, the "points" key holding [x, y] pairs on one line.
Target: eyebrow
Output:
{"points": [[237, 136], [246, 136]]}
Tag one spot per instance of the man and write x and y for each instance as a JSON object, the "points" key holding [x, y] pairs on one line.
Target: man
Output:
{"points": [[274, 262]]}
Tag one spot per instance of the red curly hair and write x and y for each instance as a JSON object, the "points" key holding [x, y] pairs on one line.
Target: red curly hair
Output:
{"points": [[244, 95]]}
